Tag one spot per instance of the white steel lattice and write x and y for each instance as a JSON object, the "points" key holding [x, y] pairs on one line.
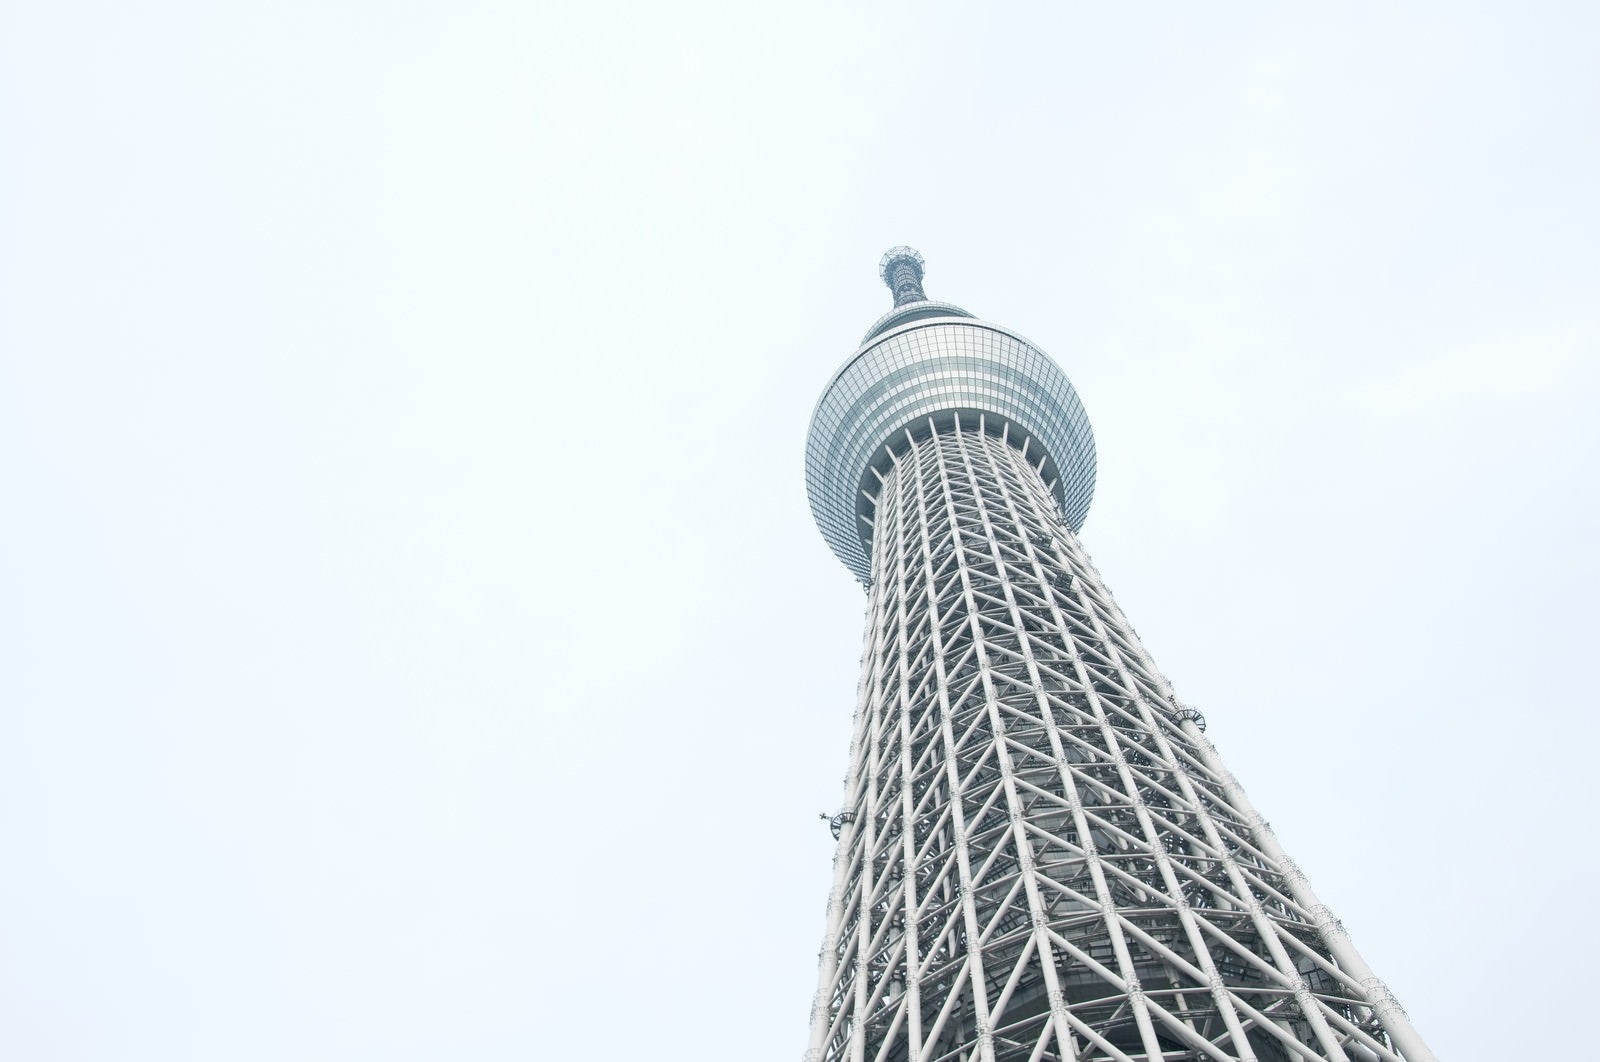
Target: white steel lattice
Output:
{"points": [[1041, 856]]}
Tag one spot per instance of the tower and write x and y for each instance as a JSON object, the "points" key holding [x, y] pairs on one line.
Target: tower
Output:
{"points": [[1041, 856]]}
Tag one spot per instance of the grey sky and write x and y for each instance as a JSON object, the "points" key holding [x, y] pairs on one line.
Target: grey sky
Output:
{"points": [[414, 643]]}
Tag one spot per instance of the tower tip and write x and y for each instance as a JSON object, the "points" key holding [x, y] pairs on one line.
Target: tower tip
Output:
{"points": [[901, 270]]}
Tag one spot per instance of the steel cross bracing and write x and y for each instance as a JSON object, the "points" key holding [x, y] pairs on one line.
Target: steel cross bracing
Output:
{"points": [[1042, 856]]}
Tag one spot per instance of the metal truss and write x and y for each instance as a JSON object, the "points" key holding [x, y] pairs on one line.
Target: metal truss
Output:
{"points": [[1041, 856]]}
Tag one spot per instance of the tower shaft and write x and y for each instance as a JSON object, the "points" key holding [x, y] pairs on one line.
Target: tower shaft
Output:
{"points": [[1041, 856]]}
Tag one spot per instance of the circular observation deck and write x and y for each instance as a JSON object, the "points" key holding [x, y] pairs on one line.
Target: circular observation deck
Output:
{"points": [[921, 366]]}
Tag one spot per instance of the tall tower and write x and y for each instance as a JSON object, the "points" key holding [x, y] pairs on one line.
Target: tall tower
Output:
{"points": [[1041, 856]]}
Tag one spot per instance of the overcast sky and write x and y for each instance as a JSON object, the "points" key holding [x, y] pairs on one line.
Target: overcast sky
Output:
{"points": [[414, 642]]}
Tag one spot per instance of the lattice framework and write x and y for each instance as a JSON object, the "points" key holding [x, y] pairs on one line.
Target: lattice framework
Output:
{"points": [[1041, 855]]}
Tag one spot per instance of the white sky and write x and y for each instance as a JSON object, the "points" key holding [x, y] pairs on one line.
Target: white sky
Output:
{"points": [[414, 643]]}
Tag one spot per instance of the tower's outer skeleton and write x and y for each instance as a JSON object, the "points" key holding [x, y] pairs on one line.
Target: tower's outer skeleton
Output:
{"points": [[1040, 855]]}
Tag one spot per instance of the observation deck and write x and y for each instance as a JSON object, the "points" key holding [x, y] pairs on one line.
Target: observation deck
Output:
{"points": [[922, 365]]}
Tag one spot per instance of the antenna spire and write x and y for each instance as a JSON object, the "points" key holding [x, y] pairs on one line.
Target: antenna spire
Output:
{"points": [[901, 269]]}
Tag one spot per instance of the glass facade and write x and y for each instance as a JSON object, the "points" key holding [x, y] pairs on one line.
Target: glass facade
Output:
{"points": [[926, 370]]}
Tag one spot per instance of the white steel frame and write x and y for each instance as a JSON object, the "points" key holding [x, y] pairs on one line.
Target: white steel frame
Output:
{"points": [[1041, 856]]}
